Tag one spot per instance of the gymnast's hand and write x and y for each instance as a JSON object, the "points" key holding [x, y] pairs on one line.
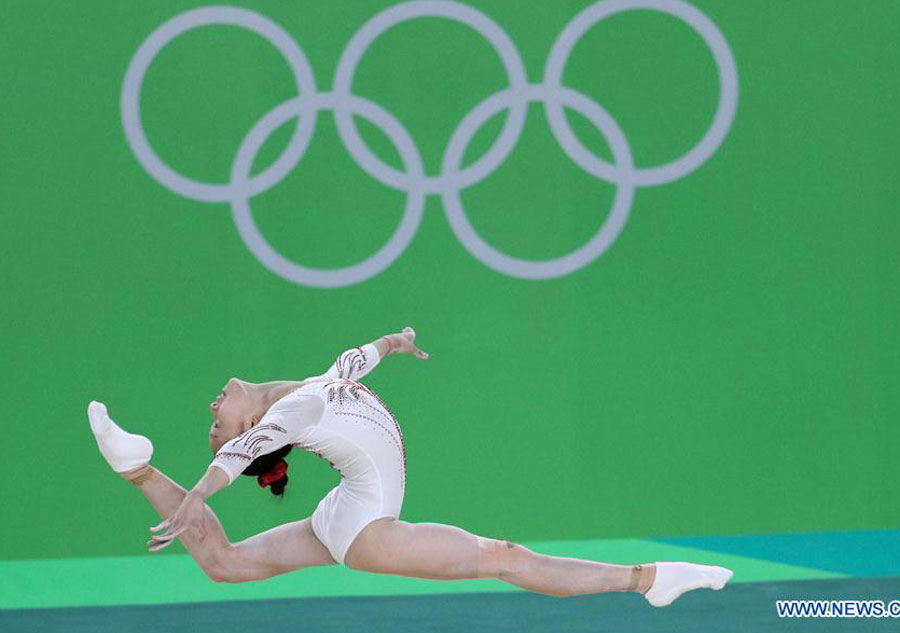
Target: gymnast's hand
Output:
{"points": [[189, 515], [401, 343]]}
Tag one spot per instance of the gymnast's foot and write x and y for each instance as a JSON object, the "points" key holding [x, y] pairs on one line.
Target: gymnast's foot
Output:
{"points": [[674, 579], [127, 454]]}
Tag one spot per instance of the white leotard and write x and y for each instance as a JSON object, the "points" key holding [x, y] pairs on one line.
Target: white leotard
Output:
{"points": [[354, 431]]}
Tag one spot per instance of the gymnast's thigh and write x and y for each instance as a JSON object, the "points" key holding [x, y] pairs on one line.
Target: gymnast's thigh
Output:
{"points": [[281, 549], [424, 550]]}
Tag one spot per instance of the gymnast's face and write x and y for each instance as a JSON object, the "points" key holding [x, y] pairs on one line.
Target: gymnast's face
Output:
{"points": [[231, 411]]}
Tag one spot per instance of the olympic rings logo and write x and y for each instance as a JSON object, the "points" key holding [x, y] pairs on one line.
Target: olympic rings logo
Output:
{"points": [[412, 179]]}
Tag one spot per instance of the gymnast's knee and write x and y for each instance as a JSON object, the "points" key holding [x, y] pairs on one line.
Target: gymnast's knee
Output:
{"points": [[501, 559], [221, 567]]}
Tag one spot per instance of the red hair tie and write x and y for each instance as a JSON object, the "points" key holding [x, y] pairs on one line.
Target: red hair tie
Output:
{"points": [[278, 471]]}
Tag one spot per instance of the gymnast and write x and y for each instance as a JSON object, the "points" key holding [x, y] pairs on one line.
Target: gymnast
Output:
{"points": [[357, 524]]}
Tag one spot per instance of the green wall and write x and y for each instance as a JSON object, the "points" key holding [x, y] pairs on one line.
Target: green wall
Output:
{"points": [[728, 365]]}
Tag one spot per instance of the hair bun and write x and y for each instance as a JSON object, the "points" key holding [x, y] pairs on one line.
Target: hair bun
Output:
{"points": [[270, 470], [277, 487], [276, 477]]}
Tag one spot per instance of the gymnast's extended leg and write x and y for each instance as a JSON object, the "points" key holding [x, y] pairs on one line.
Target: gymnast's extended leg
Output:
{"points": [[433, 550]]}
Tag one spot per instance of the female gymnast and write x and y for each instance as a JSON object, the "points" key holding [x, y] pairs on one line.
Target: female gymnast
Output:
{"points": [[357, 524]]}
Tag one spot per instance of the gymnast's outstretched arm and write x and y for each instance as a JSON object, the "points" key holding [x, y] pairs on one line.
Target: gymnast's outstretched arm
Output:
{"points": [[359, 361]]}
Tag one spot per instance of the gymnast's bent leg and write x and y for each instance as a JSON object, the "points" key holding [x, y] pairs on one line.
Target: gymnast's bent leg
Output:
{"points": [[284, 548], [276, 551]]}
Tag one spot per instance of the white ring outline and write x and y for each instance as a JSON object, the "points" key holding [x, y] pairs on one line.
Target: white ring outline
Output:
{"points": [[728, 89], [131, 96], [318, 277], [391, 17], [605, 235]]}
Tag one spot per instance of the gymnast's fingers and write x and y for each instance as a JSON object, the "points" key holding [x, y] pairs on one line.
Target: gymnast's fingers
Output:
{"points": [[159, 538], [156, 548]]}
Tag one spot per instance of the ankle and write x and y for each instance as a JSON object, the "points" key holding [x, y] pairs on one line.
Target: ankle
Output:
{"points": [[643, 577], [140, 475]]}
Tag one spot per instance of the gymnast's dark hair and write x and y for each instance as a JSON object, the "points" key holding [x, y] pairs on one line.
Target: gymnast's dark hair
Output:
{"points": [[270, 470]]}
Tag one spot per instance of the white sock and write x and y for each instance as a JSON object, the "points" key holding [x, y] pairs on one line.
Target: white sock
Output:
{"points": [[673, 579], [124, 451]]}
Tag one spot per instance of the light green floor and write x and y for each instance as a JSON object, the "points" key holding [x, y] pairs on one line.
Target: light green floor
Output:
{"points": [[166, 579]]}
